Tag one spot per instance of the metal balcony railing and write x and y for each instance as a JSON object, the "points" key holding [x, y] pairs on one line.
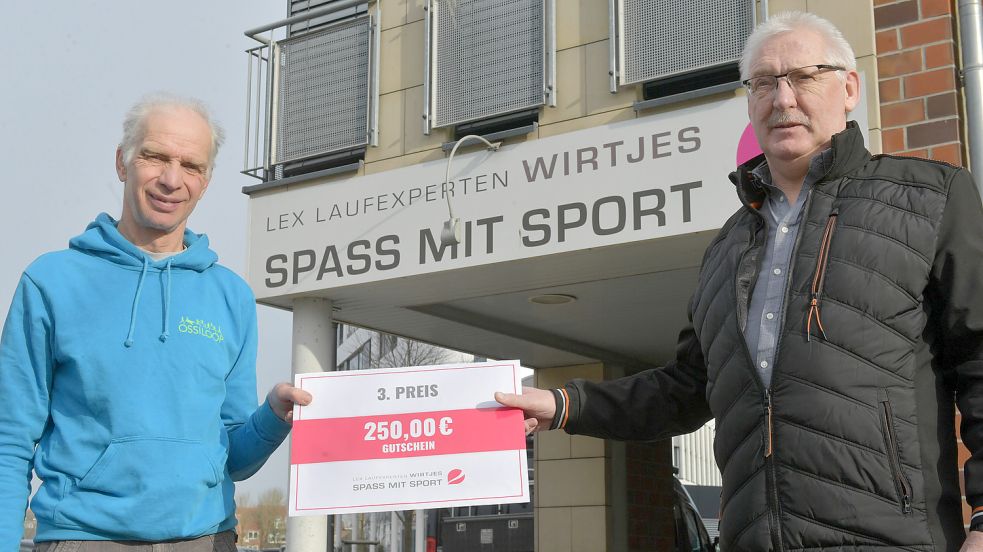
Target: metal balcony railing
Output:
{"points": [[312, 96]]}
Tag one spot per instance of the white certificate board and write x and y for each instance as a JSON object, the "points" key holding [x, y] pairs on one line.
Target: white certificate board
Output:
{"points": [[407, 438]]}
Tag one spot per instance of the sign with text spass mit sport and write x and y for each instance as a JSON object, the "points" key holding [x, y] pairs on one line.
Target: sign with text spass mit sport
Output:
{"points": [[407, 438]]}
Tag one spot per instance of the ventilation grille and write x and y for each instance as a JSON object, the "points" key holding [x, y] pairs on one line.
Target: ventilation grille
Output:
{"points": [[489, 57], [661, 38], [323, 91]]}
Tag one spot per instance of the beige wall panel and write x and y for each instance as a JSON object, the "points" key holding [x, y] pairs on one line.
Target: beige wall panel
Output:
{"points": [[552, 445], [589, 527], [551, 378], [778, 6], [553, 530], [390, 68], [401, 59], [569, 88], [390, 128], [582, 446], [393, 13], [868, 66], [580, 22], [413, 138], [403, 161], [854, 18], [575, 482], [414, 10], [412, 55], [597, 82], [587, 122]]}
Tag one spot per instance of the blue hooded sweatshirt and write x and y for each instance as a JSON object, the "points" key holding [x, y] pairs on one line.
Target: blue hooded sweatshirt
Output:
{"points": [[135, 380]]}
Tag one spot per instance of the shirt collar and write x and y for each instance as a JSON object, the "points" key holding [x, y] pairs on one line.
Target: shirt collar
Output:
{"points": [[818, 166]]}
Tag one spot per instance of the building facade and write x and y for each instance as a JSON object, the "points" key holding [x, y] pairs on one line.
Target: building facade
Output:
{"points": [[572, 246]]}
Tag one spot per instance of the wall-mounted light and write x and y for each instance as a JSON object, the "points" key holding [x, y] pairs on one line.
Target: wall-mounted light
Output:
{"points": [[450, 234]]}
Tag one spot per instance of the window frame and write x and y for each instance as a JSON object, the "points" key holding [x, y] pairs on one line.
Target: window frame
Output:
{"points": [[430, 65]]}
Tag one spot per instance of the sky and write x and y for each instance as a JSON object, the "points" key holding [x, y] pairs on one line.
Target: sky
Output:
{"points": [[71, 71]]}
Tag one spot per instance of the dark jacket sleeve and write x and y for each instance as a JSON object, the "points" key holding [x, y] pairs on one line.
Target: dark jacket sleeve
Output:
{"points": [[957, 294], [653, 404]]}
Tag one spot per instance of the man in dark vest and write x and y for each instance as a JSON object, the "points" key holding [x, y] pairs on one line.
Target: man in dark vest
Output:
{"points": [[837, 318]]}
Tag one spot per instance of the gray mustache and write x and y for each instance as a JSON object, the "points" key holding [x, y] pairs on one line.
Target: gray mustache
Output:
{"points": [[786, 117]]}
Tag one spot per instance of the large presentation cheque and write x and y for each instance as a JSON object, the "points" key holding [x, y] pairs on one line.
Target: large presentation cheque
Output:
{"points": [[406, 439]]}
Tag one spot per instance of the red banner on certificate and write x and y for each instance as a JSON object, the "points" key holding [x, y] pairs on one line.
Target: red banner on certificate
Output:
{"points": [[403, 435]]}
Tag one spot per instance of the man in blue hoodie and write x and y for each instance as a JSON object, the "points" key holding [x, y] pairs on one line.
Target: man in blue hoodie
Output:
{"points": [[128, 364]]}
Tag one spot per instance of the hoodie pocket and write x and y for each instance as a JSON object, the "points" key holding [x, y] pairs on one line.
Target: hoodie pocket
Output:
{"points": [[148, 488], [901, 483]]}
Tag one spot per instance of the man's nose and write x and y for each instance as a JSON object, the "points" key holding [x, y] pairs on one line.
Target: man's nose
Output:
{"points": [[784, 95], [171, 176]]}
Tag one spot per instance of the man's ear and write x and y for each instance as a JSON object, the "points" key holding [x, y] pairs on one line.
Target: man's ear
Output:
{"points": [[852, 85], [120, 165]]}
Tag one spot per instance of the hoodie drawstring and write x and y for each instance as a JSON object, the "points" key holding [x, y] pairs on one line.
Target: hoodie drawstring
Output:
{"points": [[136, 304], [164, 333], [167, 304]]}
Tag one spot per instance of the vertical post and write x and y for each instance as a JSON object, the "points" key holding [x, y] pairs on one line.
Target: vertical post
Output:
{"points": [[394, 525], [373, 532], [313, 351], [971, 39], [420, 522], [358, 533], [613, 38]]}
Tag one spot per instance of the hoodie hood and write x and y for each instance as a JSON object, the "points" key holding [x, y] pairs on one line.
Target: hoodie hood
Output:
{"points": [[102, 239]]}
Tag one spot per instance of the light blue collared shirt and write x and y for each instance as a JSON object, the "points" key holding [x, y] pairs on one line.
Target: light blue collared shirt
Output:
{"points": [[782, 220]]}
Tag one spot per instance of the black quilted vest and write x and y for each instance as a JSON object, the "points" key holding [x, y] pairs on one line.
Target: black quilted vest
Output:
{"points": [[851, 446]]}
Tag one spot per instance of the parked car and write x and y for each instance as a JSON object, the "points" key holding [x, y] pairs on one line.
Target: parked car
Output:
{"points": [[691, 535]]}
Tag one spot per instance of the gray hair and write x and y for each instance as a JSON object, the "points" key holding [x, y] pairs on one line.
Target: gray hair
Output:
{"points": [[838, 50], [136, 117]]}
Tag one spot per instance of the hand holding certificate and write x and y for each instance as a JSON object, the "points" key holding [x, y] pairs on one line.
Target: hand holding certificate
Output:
{"points": [[407, 438]]}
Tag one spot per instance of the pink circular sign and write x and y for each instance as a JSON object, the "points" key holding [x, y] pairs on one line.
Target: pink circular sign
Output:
{"points": [[747, 147]]}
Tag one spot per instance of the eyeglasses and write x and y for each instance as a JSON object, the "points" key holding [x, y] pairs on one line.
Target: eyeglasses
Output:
{"points": [[798, 79]]}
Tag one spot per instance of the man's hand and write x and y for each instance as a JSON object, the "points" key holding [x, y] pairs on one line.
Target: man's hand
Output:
{"points": [[284, 396], [538, 405], [974, 542]]}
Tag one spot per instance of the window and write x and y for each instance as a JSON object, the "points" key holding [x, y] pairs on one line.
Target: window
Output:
{"points": [[662, 38], [339, 334], [387, 343], [360, 359], [252, 535], [323, 79], [487, 58]]}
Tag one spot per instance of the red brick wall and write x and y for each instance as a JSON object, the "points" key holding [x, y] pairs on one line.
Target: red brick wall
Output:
{"points": [[921, 107], [917, 77], [650, 518]]}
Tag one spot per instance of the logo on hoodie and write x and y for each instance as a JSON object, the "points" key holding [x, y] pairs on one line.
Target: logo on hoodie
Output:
{"points": [[197, 326]]}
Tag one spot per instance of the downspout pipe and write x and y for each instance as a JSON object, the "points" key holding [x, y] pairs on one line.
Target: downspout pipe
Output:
{"points": [[971, 40]]}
